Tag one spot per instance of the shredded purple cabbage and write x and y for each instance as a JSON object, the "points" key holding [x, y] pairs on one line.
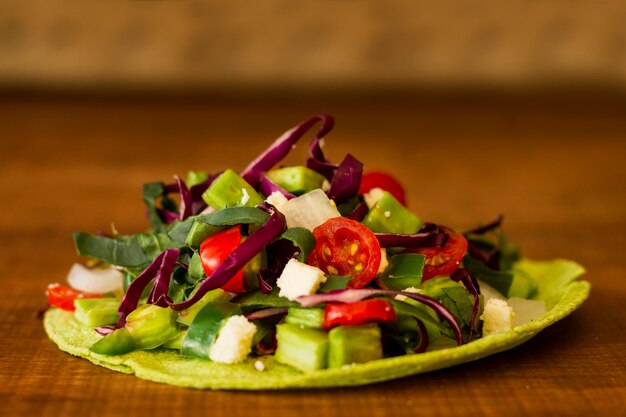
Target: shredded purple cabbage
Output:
{"points": [[347, 179], [423, 338], [168, 217], [359, 212], [104, 330], [278, 150], [267, 187], [184, 209], [415, 240], [473, 288], [160, 269], [267, 312], [243, 254], [497, 222], [354, 295]]}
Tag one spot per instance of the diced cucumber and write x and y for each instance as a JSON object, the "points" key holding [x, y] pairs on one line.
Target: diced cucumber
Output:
{"points": [[95, 312], [307, 317], [151, 326], [297, 180], [354, 344], [303, 348], [116, 343], [186, 316]]}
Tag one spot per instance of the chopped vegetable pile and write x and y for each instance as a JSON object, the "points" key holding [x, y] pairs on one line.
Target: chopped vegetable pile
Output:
{"points": [[320, 265]]}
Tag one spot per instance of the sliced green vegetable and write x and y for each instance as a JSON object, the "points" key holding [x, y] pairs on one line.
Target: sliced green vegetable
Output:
{"points": [[187, 316], [404, 271], [389, 216], [116, 343], [334, 282], [296, 180], [95, 312], [300, 347], [230, 190], [196, 177], [196, 271], [354, 344], [199, 231], [257, 299], [205, 327], [151, 326], [306, 317], [177, 342], [302, 238]]}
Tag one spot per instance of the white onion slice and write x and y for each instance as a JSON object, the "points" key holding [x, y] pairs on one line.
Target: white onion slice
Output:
{"points": [[96, 281], [309, 210]]}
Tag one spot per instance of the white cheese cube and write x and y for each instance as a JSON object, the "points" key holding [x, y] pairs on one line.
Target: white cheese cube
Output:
{"points": [[234, 341], [497, 317], [299, 279], [372, 196], [277, 199]]}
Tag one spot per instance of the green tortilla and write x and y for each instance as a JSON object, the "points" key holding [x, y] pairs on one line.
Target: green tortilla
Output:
{"points": [[558, 287]]}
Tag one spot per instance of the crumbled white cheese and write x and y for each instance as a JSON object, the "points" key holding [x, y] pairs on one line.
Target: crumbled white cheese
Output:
{"points": [[299, 279], [497, 317], [372, 196], [383, 261], [387, 214], [245, 197], [234, 341], [277, 199], [259, 366]]}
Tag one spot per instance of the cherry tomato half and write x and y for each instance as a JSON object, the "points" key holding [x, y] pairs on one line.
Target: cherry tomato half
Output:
{"points": [[214, 250], [444, 260], [63, 297], [378, 179], [346, 247], [358, 313]]}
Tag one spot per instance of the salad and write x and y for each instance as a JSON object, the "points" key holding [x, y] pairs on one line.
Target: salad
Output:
{"points": [[316, 275]]}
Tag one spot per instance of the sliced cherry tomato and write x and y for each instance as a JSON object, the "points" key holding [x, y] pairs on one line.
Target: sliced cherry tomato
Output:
{"points": [[214, 250], [360, 312], [378, 179], [63, 297], [346, 247], [444, 260]]}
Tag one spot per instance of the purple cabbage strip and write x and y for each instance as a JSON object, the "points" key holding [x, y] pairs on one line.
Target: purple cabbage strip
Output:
{"points": [[423, 338], [158, 295], [472, 287], [243, 254], [261, 349], [359, 212], [267, 187], [347, 179], [264, 286], [354, 295], [278, 150], [165, 261], [184, 209], [104, 330], [267, 312], [168, 217], [489, 226], [415, 240]]}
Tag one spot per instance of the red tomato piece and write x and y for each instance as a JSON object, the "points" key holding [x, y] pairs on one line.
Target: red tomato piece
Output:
{"points": [[378, 179], [444, 260], [63, 297], [346, 247], [214, 250], [355, 314]]}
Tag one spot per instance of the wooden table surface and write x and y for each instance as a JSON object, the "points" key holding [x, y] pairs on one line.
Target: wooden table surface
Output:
{"points": [[555, 168]]}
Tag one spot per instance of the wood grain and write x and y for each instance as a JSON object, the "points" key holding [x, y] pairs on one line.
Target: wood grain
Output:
{"points": [[554, 167]]}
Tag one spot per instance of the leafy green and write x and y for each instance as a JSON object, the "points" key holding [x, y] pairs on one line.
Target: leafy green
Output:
{"points": [[404, 271], [151, 192], [500, 280], [301, 238], [334, 282]]}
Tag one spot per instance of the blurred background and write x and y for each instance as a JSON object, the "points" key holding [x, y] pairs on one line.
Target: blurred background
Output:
{"points": [[479, 107], [327, 45]]}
